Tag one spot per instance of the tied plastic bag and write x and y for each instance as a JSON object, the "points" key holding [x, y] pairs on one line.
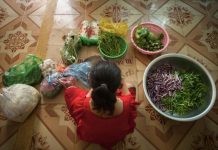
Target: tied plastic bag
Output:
{"points": [[89, 32], [28, 72], [67, 81], [48, 67], [71, 47], [50, 85], [79, 71], [18, 101]]}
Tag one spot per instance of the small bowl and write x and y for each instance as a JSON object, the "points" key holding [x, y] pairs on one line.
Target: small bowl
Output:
{"points": [[180, 61], [156, 29], [116, 57]]}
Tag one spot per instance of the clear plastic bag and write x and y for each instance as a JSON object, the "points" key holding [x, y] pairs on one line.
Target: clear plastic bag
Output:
{"points": [[67, 81], [48, 67], [18, 101], [28, 72], [79, 71], [89, 32], [50, 85]]}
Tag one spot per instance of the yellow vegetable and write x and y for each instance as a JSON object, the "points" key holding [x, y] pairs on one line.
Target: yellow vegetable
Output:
{"points": [[108, 25]]}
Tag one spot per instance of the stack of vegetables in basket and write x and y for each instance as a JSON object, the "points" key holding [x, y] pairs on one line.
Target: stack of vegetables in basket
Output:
{"points": [[146, 39], [149, 38], [111, 43]]}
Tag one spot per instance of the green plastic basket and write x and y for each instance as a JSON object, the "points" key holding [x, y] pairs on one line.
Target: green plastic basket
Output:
{"points": [[123, 46]]}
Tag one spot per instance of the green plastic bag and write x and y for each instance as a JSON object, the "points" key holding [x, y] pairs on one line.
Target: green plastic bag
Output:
{"points": [[89, 33], [28, 72]]}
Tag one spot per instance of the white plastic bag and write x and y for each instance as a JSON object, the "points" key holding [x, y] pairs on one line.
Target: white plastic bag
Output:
{"points": [[18, 101], [47, 67]]}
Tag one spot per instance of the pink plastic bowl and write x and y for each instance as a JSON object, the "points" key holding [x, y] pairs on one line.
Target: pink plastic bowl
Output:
{"points": [[155, 29]]}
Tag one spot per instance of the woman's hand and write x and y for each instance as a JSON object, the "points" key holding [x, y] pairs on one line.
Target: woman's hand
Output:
{"points": [[67, 81]]}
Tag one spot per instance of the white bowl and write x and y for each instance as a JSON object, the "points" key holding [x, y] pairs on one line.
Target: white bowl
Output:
{"points": [[183, 61]]}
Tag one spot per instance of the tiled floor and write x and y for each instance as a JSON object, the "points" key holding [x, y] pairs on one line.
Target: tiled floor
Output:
{"points": [[38, 26]]}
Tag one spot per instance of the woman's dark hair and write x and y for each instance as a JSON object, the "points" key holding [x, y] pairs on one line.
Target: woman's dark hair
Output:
{"points": [[105, 79]]}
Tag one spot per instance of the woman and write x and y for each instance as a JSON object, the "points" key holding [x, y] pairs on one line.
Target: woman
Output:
{"points": [[104, 115]]}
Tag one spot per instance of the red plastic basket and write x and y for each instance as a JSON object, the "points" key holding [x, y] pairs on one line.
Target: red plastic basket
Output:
{"points": [[155, 29]]}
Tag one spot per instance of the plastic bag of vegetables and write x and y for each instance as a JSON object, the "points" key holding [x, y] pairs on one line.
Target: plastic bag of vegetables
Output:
{"points": [[28, 72], [50, 85], [18, 101], [79, 71], [71, 47], [48, 67], [89, 32]]}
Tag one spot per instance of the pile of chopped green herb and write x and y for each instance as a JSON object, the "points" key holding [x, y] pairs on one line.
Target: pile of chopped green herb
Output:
{"points": [[146, 39], [110, 43], [190, 97]]}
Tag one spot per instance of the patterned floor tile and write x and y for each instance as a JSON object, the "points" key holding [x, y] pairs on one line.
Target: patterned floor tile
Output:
{"points": [[7, 14], [213, 114], [43, 138], [7, 62], [17, 39], [212, 68], [200, 5], [37, 16], [10, 26], [9, 144], [117, 11], [18, 5], [179, 16], [147, 6], [204, 38], [161, 132], [92, 5], [203, 135], [212, 6], [209, 39], [25, 7], [32, 5], [8, 130], [192, 27], [142, 142], [57, 119], [23, 39]]}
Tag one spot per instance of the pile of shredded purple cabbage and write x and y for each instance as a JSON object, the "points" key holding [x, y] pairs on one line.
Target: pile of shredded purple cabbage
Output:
{"points": [[161, 82]]}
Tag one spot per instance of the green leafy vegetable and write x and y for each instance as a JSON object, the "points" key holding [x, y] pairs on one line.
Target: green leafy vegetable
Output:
{"points": [[190, 97], [110, 43], [148, 40]]}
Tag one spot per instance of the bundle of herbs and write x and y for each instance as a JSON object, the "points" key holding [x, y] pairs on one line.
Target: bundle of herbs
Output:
{"points": [[174, 91], [147, 40], [110, 44], [71, 47]]}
